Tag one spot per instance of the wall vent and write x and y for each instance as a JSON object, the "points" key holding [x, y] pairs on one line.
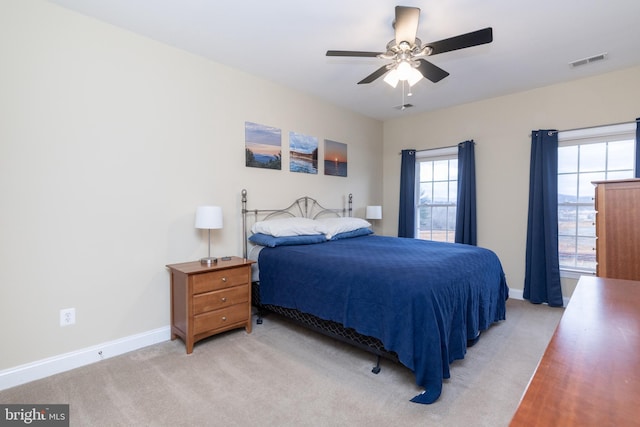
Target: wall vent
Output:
{"points": [[589, 60]]}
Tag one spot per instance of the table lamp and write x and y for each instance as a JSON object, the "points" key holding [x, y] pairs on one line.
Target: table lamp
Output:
{"points": [[209, 218], [373, 212]]}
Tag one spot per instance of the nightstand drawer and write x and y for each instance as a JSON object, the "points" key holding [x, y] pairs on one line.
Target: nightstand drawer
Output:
{"points": [[220, 318], [218, 299], [221, 279]]}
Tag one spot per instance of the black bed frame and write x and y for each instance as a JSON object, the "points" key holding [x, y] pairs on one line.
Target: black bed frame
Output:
{"points": [[307, 207]]}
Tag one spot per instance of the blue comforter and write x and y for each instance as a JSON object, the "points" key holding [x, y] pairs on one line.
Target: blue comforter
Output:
{"points": [[422, 299]]}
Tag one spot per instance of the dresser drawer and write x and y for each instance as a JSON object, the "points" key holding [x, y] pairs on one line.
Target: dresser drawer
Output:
{"points": [[221, 279], [211, 320], [218, 299]]}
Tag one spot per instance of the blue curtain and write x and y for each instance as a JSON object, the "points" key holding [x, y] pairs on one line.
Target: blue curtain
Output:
{"points": [[466, 231], [638, 147], [407, 216], [542, 270]]}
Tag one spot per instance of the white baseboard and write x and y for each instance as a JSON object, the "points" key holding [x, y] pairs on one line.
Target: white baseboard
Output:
{"points": [[518, 294], [65, 362]]}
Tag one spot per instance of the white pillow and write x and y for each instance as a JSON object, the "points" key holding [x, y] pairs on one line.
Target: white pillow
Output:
{"points": [[288, 227], [335, 226]]}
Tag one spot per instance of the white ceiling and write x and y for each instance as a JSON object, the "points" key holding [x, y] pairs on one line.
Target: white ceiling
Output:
{"points": [[285, 41]]}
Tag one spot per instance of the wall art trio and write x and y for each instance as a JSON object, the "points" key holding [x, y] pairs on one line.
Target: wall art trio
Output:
{"points": [[263, 149]]}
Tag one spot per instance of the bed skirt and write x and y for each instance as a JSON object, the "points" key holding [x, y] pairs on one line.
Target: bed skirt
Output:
{"points": [[326, 327]]}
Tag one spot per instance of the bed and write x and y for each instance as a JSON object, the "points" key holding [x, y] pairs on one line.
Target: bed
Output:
{"points": [[418, 302]]}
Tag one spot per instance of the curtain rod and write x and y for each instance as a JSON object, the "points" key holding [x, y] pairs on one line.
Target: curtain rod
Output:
{"points": [[441, 148], [597, 126]]}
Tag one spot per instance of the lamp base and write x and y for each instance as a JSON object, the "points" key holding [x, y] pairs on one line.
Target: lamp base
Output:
{"points": [[209, 261]]}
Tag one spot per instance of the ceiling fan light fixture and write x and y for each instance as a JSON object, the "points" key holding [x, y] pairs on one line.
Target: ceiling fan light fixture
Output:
{"points": [[392, 78], [408, 73], [404, 71], [414, 76]]}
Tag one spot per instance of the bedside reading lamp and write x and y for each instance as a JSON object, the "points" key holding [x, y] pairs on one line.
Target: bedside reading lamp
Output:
{"points": [[209, 218], [373, 212]]}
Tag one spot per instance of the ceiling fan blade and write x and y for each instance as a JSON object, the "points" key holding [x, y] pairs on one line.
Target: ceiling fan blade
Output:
{"points": [[406, 24], [377, 73], [462, 41], [352, 53], [431, 72]]}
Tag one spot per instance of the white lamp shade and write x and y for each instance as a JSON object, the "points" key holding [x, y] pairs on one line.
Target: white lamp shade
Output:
{"points": [[374, 212], [392, 78], [414, 76], [209, 217], [404, 70]]}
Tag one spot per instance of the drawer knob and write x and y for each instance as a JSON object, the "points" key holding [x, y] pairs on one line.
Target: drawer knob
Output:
{"points": [[224, 318], [223, 299], [224, 279]]}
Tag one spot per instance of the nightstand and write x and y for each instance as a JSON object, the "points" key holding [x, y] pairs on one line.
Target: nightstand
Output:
{"points": [[209, 299]]}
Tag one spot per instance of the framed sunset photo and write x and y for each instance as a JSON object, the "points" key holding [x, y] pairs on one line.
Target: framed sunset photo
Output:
{"points": [[335, 158]]}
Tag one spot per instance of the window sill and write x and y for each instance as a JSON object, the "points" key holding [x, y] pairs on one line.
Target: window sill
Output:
{"points": [[575, 274]]}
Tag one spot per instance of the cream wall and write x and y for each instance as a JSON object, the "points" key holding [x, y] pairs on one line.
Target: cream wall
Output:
{"points": [[109, 142], [501, 128]]}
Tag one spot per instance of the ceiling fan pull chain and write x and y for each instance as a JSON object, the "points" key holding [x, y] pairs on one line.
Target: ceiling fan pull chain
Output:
{"points": [[403, 104]]}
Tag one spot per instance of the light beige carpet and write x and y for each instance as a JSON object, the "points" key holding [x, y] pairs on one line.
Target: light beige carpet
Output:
{"points": [[282, 375]]}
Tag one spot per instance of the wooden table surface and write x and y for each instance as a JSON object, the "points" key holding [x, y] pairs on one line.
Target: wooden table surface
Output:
{"points": [[589, 374]]}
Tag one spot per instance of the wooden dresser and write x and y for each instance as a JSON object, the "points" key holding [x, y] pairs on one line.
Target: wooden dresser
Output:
{"points": [[207, 300], [618, 229], [589, 374]]}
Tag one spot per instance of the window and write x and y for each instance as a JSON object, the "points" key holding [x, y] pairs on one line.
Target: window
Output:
{"points": [[594, 154], [437, 187]]}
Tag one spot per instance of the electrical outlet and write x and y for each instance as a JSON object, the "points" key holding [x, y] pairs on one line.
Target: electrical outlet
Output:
{"points": [[67, 316]]}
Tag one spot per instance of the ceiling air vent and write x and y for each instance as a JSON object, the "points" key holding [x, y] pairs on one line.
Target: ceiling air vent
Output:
{"points": [[588, 60], [403, 107]]}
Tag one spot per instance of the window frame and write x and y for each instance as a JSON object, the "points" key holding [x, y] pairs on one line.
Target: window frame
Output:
{"points": [[582, 137], [446, 153]]}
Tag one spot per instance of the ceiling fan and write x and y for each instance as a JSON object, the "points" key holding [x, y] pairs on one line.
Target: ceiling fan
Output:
{"points": [[406, 52]]}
